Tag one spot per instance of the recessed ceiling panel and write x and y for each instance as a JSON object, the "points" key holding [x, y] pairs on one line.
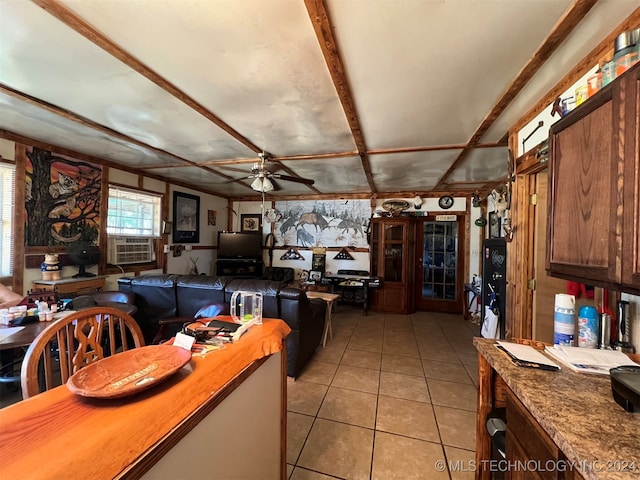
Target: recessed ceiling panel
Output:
{"points": [[332, 175], [43, 58], [418, 171], [601, 20], [256, 64], [434, 69], [25, 119], [482, 165]]}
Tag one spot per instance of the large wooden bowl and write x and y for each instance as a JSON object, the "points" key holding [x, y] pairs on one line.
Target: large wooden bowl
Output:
{"points": [[128, 372]]}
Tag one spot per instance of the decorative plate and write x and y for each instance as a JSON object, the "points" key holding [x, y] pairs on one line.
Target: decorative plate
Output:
{"points": [[395, 206], [446, 202], [128, 372]]}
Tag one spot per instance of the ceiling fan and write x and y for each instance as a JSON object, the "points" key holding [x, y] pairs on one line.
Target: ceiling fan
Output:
{"points": [[264, 177]]}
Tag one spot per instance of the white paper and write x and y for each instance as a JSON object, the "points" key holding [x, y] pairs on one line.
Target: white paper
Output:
{"points": [[7, 332], [589, 360], [184, 341], [527, 353]]}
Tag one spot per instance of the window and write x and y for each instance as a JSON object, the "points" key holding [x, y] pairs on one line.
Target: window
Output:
{"points": [[133, 213], [7, 187]]}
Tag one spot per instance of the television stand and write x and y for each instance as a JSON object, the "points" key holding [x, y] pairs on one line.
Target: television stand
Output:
{"points": [[241, 268]]}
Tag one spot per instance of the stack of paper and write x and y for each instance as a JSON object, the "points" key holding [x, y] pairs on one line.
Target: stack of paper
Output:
{"points": [[527, 356], [589, 360]]}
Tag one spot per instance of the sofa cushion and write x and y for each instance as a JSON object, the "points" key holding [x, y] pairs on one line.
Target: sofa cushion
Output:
{"points": [[155, 299], [195, 291]]}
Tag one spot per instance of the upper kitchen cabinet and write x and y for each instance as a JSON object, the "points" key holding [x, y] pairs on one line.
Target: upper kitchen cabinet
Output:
{"points": [[594, 212]]}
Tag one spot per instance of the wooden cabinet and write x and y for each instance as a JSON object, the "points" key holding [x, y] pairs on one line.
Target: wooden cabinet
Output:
{"points": [[594, 212], [392, 259], [239, 268]]}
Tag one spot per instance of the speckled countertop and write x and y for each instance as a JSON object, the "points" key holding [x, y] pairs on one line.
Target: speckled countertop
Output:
{"points": [[578, 412]]}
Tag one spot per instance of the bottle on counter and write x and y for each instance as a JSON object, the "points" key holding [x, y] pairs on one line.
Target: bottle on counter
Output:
{"points": [[564, 319], [587, 327]]}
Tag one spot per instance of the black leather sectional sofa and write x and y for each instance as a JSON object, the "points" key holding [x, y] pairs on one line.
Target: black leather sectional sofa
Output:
{"points": [[165, 296]]}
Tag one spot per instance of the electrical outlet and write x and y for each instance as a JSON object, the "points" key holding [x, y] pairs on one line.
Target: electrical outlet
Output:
{"points": [[166, 249], [188, 248]]}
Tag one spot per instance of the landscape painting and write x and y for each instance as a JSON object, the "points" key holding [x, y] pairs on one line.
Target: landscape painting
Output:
{"points": [[322, 223]]}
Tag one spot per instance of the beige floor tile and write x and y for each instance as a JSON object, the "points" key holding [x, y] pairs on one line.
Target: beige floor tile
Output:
{"points": [[451, 394], [468, 357], [404, 386], [402, 364], [318, 372], [373, 344], [472, 370], [349, 406], [399, 347], [338, 449], [304, 474], [446, 354], [289, 470], [457, 427], [305, 397], [402, 458], [406, 417], [361, 358], [298, 427], [453, 372], [356, 378], [460, 463], [331, 353]]}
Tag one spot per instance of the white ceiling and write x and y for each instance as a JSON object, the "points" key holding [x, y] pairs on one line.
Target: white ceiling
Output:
{"points": [[192, 90]]}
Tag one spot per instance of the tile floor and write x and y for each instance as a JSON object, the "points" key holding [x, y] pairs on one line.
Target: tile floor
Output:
{"points": [[385, 399]]}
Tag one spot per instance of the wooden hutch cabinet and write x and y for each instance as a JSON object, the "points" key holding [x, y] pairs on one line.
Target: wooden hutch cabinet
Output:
{"points": [[594, 200], [392, 259]]}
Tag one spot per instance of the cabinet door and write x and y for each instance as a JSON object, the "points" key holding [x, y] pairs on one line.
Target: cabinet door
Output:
{"points": [[584, 243], [630, 92]]}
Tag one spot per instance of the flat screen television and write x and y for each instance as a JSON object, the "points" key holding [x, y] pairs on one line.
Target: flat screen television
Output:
{"points": [[236, 245]]}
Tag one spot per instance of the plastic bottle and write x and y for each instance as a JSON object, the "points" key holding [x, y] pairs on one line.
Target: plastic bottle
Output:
{"points": [[587, 327], [564, 319]]}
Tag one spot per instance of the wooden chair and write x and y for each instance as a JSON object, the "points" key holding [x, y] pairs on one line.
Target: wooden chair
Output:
{"points": [[73, 342]]}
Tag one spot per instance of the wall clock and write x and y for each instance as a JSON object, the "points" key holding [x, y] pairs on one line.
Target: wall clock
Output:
{"points": [[445, 202]]}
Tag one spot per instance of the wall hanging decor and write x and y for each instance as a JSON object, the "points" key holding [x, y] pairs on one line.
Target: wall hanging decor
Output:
{"points": [[324, 223], [62, 200], [343, 255], [292, 254], [250, 222], [186, 218]]}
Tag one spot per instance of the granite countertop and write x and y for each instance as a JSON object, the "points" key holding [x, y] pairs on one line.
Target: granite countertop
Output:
{"points": [[578, 412]]}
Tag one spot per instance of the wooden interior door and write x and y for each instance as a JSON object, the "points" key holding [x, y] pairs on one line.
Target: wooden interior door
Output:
{"points": [[546, 286]]}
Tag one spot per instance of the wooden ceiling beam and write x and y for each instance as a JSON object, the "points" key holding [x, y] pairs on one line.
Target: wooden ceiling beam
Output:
{"points": [[319, 16], [560, 31], [70, 19], [73, 117], [602, 50]]}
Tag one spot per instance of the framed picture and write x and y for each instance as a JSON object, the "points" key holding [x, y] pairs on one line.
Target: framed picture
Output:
{"points": [[494, 225], [250, 222], [315, 276], [186, 218]]}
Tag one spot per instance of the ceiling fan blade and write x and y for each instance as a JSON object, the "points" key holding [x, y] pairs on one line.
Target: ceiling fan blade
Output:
{"points": [[289, 178]]}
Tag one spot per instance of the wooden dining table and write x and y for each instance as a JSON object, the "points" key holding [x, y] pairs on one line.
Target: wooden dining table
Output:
{"points": [[22, 338]]}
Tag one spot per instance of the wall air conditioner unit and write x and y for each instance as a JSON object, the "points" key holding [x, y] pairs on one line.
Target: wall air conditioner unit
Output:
{"points": [[127, 250]]}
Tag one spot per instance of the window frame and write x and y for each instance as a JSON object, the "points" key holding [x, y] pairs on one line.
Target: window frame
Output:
{"points": [[155, 231]]}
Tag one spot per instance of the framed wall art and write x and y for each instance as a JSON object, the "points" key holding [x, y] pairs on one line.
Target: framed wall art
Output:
{"points": [[250, 222], [186, 218]]}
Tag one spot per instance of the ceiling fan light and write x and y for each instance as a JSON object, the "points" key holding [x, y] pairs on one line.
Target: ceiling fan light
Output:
{"points": [[267, 186], [257, 184]]}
